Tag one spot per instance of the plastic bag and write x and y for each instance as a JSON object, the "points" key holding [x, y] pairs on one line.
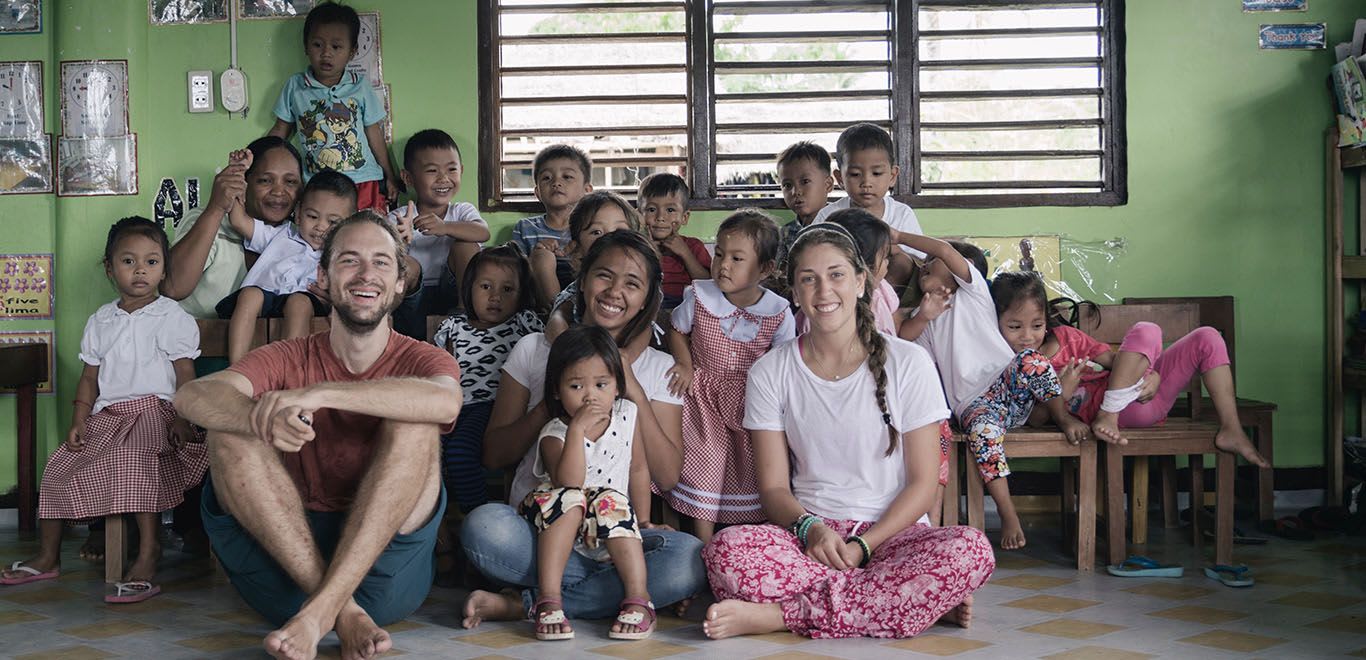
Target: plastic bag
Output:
{"points": [[182, 12], [26, 166]]}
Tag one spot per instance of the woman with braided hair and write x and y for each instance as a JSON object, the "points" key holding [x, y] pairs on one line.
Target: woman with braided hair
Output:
{"points": [[845, 427]]}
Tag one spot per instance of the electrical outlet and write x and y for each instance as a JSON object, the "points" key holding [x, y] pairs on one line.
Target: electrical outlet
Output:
{"points": [[233, 91], [200, 85]]}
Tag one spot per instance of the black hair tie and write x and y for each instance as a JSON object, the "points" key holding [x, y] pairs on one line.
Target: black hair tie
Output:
{"points": [[887, 418]]}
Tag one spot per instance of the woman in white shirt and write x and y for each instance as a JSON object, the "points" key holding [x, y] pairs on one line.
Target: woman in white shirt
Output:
{"points": [[619, 292], [845, 426]]}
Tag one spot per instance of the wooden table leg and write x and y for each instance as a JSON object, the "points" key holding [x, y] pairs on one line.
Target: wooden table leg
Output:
{"points": [[113, 548], [976, 507], [26, 409], [1266, 479], [1114, 503], [1138, 501], [1086, 507], [1170, 509], [950, 512], [1197, 466]]}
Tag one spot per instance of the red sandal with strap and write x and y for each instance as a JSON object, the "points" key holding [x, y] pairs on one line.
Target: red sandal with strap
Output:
{"points": [[627, 618], [551, 617]]}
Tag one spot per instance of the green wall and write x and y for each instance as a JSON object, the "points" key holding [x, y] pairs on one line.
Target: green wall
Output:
{"points": [[1225, 168]]}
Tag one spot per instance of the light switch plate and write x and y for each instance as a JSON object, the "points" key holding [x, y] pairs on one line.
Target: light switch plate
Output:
{"points": [[200, 86], [233, 90]]}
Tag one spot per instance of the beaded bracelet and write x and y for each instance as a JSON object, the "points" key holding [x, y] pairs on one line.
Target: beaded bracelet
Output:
{"points": [[796, 524], [805, 528], [863, 545]]}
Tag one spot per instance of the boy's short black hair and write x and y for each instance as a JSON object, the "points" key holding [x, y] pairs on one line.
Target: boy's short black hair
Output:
{"points": [[431, 138], [805, 150], [864, 136], [331, 181], [661, 184], [973, 254], [581, 342], [563, 151], [332, 13], [760, 227]]}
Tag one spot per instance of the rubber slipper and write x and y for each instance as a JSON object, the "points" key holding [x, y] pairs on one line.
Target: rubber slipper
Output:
{"points": [[1288, 527], [1139, 566], [635, 619], [1230, 576], [30, 574], [134, 591]]}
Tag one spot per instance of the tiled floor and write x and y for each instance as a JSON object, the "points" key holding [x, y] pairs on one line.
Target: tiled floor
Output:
{"points": [[1310, 602]]}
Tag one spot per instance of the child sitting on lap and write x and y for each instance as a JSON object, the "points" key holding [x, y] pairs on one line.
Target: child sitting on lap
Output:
{"points": [[331, 108], [277, 286]]}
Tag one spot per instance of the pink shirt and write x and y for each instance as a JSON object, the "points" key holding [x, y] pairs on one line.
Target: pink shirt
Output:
{"points": [[1075, 344]]}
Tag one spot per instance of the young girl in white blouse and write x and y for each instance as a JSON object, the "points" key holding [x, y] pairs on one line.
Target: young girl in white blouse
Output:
{"points": [[277, 286], [722, 326], [127, 450]]}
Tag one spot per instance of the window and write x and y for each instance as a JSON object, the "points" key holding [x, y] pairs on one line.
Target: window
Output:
{"points": [[989, 102]]}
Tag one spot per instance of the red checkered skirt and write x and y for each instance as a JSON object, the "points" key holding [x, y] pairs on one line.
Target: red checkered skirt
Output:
{"points": [[718, 481], [126, 466]]}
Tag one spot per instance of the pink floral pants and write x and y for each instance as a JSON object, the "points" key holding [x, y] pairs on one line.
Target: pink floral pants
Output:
{"points": [[914, 578]]}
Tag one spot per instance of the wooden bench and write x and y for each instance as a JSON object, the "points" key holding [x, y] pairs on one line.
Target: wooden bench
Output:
{"points": [[1192, 435]]}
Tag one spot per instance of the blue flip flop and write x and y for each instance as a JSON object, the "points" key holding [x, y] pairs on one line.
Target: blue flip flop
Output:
{"points": [[1139, 566], [1230, 576]]}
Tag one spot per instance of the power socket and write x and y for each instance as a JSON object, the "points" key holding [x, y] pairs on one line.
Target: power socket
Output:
{"points": [[200, 85]]}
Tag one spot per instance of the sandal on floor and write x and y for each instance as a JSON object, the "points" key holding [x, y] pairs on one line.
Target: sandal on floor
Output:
{"points": [[30, 574], [1139, 566], [550, 618], [635, 619], [134, 591], [1288, 527], [1230, 576]]}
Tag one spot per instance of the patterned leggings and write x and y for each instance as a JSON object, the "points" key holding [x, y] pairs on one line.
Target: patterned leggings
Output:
{"points": [[1006, 405], [914, 578]]}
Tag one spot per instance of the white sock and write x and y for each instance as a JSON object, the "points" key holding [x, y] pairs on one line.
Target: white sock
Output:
{"points": [[1117, 400]]}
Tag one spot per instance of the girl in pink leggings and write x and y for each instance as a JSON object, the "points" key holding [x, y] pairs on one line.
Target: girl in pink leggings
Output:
{"points": [[845, 427], [1132, 387]]}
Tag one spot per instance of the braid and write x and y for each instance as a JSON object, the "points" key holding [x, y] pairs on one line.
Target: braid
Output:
{"points": [[876, 345]]}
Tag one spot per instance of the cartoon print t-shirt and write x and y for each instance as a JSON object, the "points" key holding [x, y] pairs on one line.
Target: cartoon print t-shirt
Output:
{"points": [[331, 123]]}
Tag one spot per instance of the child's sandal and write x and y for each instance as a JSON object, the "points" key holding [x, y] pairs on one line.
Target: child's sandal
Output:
{"points": [[553, 617], [628, 618]]}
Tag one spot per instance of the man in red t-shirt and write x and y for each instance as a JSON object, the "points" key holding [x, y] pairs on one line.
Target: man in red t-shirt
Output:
{"points": [[326, 493]]}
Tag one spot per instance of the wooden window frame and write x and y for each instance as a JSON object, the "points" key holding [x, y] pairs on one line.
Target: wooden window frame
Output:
{"points": [[906, 125]]}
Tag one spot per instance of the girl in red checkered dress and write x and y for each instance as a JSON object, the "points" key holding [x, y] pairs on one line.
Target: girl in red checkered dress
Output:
{"points": [[722, 326], [127, 450]]}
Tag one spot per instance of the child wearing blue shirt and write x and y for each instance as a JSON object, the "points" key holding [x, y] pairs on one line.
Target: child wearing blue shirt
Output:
{"points": [[332, 107]]}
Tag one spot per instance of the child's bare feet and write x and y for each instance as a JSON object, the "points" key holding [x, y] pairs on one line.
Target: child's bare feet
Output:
{"points": [[297, 639], [960, 616], [481, 605], [93, 548], [730, 618], [1012, 533], [1106, 427], [360, 638], [1233, 440]]}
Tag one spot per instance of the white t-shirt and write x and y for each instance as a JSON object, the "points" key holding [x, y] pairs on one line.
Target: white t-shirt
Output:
{"points": [[224, 266], [966, 343], [898, 216], [836, 439], [607, 461], [134, 351], [288, 264], [734, 326], [526, 365], [432, 251]]}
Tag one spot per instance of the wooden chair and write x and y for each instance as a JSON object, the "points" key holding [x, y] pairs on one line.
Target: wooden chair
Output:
{"points": [[1218, 312]]}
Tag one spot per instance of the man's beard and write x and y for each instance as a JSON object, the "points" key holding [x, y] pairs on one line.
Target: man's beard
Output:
{"points": [[359, 325]]}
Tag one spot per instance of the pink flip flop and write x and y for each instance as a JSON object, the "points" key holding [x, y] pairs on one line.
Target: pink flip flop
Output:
{"points": [[30, 575], [135, 591]]}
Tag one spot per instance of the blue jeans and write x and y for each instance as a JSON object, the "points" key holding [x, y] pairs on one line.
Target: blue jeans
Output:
{"points": [[502, 545]]}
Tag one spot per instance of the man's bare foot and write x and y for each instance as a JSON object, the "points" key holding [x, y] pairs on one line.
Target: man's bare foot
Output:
{"points": [[1106, 428], [731, 618], [481, 605], [360, 638], [1012, 534], [1234, 441], [960, 616], [297, 639]]}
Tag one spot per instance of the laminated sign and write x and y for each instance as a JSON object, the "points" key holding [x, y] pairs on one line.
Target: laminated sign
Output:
{"points": [[1293, 36]]}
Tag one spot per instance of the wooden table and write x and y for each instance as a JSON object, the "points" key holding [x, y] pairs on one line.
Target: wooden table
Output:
{"points": [[23, 367]]}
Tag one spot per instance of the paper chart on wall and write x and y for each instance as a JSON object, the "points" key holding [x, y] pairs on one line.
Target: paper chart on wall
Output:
{"points": [[274, 8], [34, 337], [25, 286], [21, 16], [367, 60], [21, 99], [97, 166], [94, 97], [185, 12], [26, 165]]}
